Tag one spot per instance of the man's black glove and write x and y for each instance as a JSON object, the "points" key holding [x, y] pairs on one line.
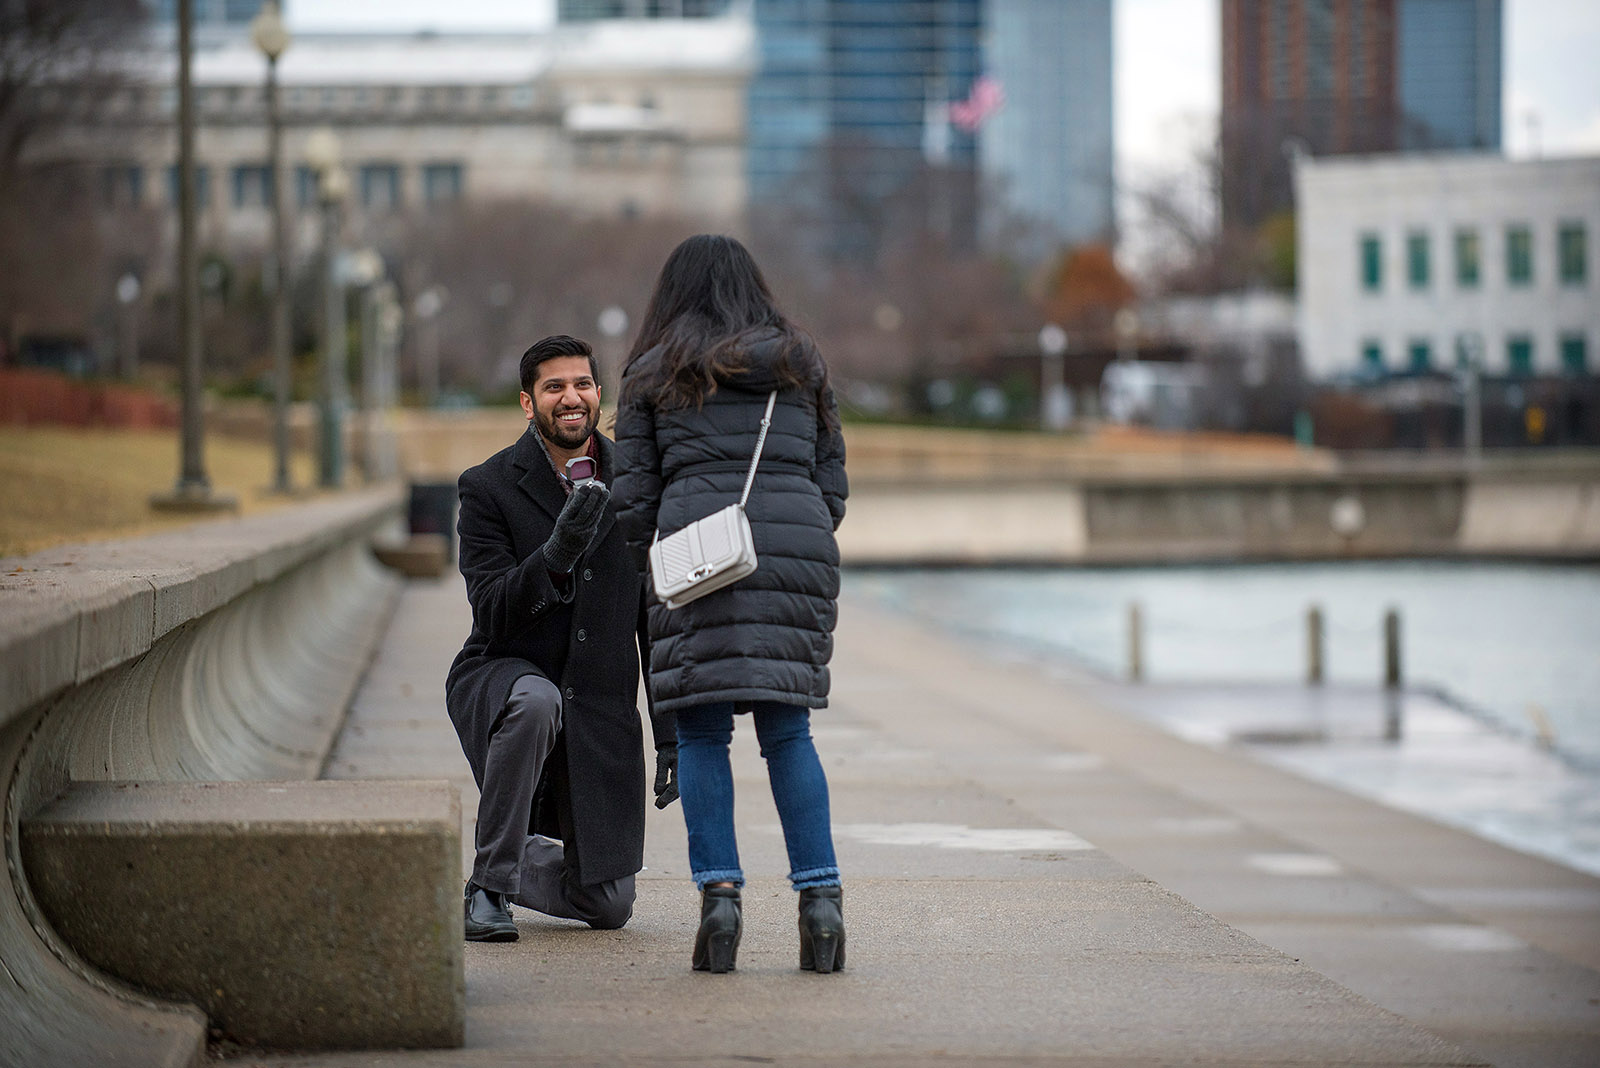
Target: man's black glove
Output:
{"points": [[666, 775], [575, 526]]}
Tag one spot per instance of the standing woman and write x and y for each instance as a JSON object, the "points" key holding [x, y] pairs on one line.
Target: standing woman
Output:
{"points": [[712, 346]]}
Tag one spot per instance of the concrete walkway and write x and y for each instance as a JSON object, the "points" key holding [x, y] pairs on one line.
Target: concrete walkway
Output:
{"points": [[985, 926]]}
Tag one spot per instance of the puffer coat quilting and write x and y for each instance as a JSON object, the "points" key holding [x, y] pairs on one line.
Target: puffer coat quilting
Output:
{"points": [[769, 636]]}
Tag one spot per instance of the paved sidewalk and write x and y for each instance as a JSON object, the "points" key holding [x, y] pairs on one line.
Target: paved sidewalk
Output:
{"points": [[983, 928]]}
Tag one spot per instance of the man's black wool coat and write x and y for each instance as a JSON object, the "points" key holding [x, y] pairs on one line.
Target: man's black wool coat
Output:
{"points": [[586, 638]]}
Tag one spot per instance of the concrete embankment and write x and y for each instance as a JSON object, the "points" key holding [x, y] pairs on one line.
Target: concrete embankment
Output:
{"points": [[925, 496], [223, 651], [999, 832]]}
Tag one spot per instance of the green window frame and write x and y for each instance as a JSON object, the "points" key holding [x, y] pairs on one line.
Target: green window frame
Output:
{"points": [[1419, 355], [1372, 356], [1575, 354], [1417, 265], [1573, 253], [1519, 255], [1519, 354], [1371, 263], [1468, 258]]}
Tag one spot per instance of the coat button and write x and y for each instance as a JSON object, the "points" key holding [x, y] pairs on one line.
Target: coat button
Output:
{"points": [[587, 574], [583, 635], [569, 693]]}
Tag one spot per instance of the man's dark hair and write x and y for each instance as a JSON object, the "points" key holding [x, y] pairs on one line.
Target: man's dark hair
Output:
{"points": [[552, 348]]}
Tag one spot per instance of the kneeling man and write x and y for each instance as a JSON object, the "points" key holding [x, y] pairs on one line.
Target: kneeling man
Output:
{"points": [[543, 693]]}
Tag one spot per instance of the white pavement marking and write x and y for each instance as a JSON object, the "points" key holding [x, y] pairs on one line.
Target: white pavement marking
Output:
{"points": [[1311, 864], [1199, 826], [1075, 762], [959, 836], [1466, 938]]}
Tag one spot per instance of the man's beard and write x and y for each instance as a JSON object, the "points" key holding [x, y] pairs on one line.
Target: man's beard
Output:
{"points": [[558, 433]]}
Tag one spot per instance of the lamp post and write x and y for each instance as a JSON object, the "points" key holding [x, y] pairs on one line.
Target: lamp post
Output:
{"points": [[612, 322], [427, 306], [128, 290], [272, 38], [1055, 406], [322, 153], [193, 489], [1469, 357]]}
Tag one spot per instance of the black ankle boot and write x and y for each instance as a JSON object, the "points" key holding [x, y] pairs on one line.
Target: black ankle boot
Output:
{"points": [[822, 929], [717, 944]]}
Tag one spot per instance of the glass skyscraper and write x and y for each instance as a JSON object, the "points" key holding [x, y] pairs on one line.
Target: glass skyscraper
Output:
{"points": [[845, 113], [1047, 152], [1448, 73], [581, 10]]}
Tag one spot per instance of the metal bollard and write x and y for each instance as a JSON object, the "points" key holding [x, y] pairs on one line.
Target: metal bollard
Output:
{"points": [[1314, 645], [1135, 644], [1391, 676]]}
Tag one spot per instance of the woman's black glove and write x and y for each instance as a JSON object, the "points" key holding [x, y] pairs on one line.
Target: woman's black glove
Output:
{"points": [[575, 526], [666, 775]]}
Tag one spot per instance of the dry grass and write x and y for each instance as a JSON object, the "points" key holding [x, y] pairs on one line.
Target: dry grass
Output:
{"points": [[61, 486]]}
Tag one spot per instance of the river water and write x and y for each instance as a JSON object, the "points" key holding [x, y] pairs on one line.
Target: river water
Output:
{"points": [[1501, 665]]}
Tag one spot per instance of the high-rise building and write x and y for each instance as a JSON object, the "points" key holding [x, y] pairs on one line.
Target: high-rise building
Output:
{"points": [[582, 10], [847, 113], [1448, 73], [1046, 152], [212, 13], [1316, 75], [1332, 77]]}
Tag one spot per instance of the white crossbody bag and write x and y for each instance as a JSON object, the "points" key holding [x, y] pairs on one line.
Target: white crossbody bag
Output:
{"points": [[709, 553]]}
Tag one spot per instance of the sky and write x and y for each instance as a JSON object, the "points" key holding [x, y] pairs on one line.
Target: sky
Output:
{"points": [[1167, 62]]}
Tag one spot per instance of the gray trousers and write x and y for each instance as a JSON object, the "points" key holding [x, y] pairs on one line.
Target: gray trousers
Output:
{"points": [[531, 869]]}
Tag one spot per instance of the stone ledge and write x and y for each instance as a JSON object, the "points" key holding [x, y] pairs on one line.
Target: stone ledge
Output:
{"points": [[297, 915], [72, 612]]}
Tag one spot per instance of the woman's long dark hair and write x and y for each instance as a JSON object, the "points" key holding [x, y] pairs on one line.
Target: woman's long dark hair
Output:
{"points": [[709, 304]]}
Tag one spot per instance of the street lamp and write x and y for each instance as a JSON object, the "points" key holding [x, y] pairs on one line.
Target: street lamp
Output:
{"points": [[193, 490], [427, 306], [1055, 406], [128, 290], [271, 37], [333, 184]]}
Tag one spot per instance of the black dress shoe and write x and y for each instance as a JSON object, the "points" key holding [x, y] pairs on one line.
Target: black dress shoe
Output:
{"points": [[716, 945], [488, 918], [822, 929]]}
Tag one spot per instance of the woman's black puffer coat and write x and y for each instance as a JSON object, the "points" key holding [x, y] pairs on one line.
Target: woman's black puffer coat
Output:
{"points": [[769, 636]]}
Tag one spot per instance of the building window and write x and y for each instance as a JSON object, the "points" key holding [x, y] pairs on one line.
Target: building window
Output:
{"points": [[441, 183], [1519, 354], [1417, 260], [1371, 263], [1372, 357], [202, 185], [124, 185], [1467, 256], [1575, 354], [252, 185], [1519, 255], [1419, 355], [380, 186], [305, 186], [1574, 253]]}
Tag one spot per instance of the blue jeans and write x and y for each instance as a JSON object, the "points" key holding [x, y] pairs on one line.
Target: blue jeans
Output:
{"points": [[799, 787]]}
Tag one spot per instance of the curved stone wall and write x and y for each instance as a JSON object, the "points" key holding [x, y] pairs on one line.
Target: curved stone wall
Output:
{"points": [[225, 651]]}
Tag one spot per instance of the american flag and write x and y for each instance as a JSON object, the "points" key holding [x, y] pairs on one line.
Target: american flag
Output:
{"points": [[985, 98]]}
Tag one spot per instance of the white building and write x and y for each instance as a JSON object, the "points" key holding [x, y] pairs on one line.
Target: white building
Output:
{"points": [[1427, 262], [627, 116]]}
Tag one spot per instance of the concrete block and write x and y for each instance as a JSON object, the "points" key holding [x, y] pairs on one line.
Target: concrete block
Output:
{"points": [[296, 915], [419, 556]]}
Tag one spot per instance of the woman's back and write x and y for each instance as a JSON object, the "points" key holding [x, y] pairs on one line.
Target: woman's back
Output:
{"points": [[768, 636]]}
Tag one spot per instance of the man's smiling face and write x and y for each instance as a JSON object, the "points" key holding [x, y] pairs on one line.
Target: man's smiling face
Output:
{"points": [[565, 405]]}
